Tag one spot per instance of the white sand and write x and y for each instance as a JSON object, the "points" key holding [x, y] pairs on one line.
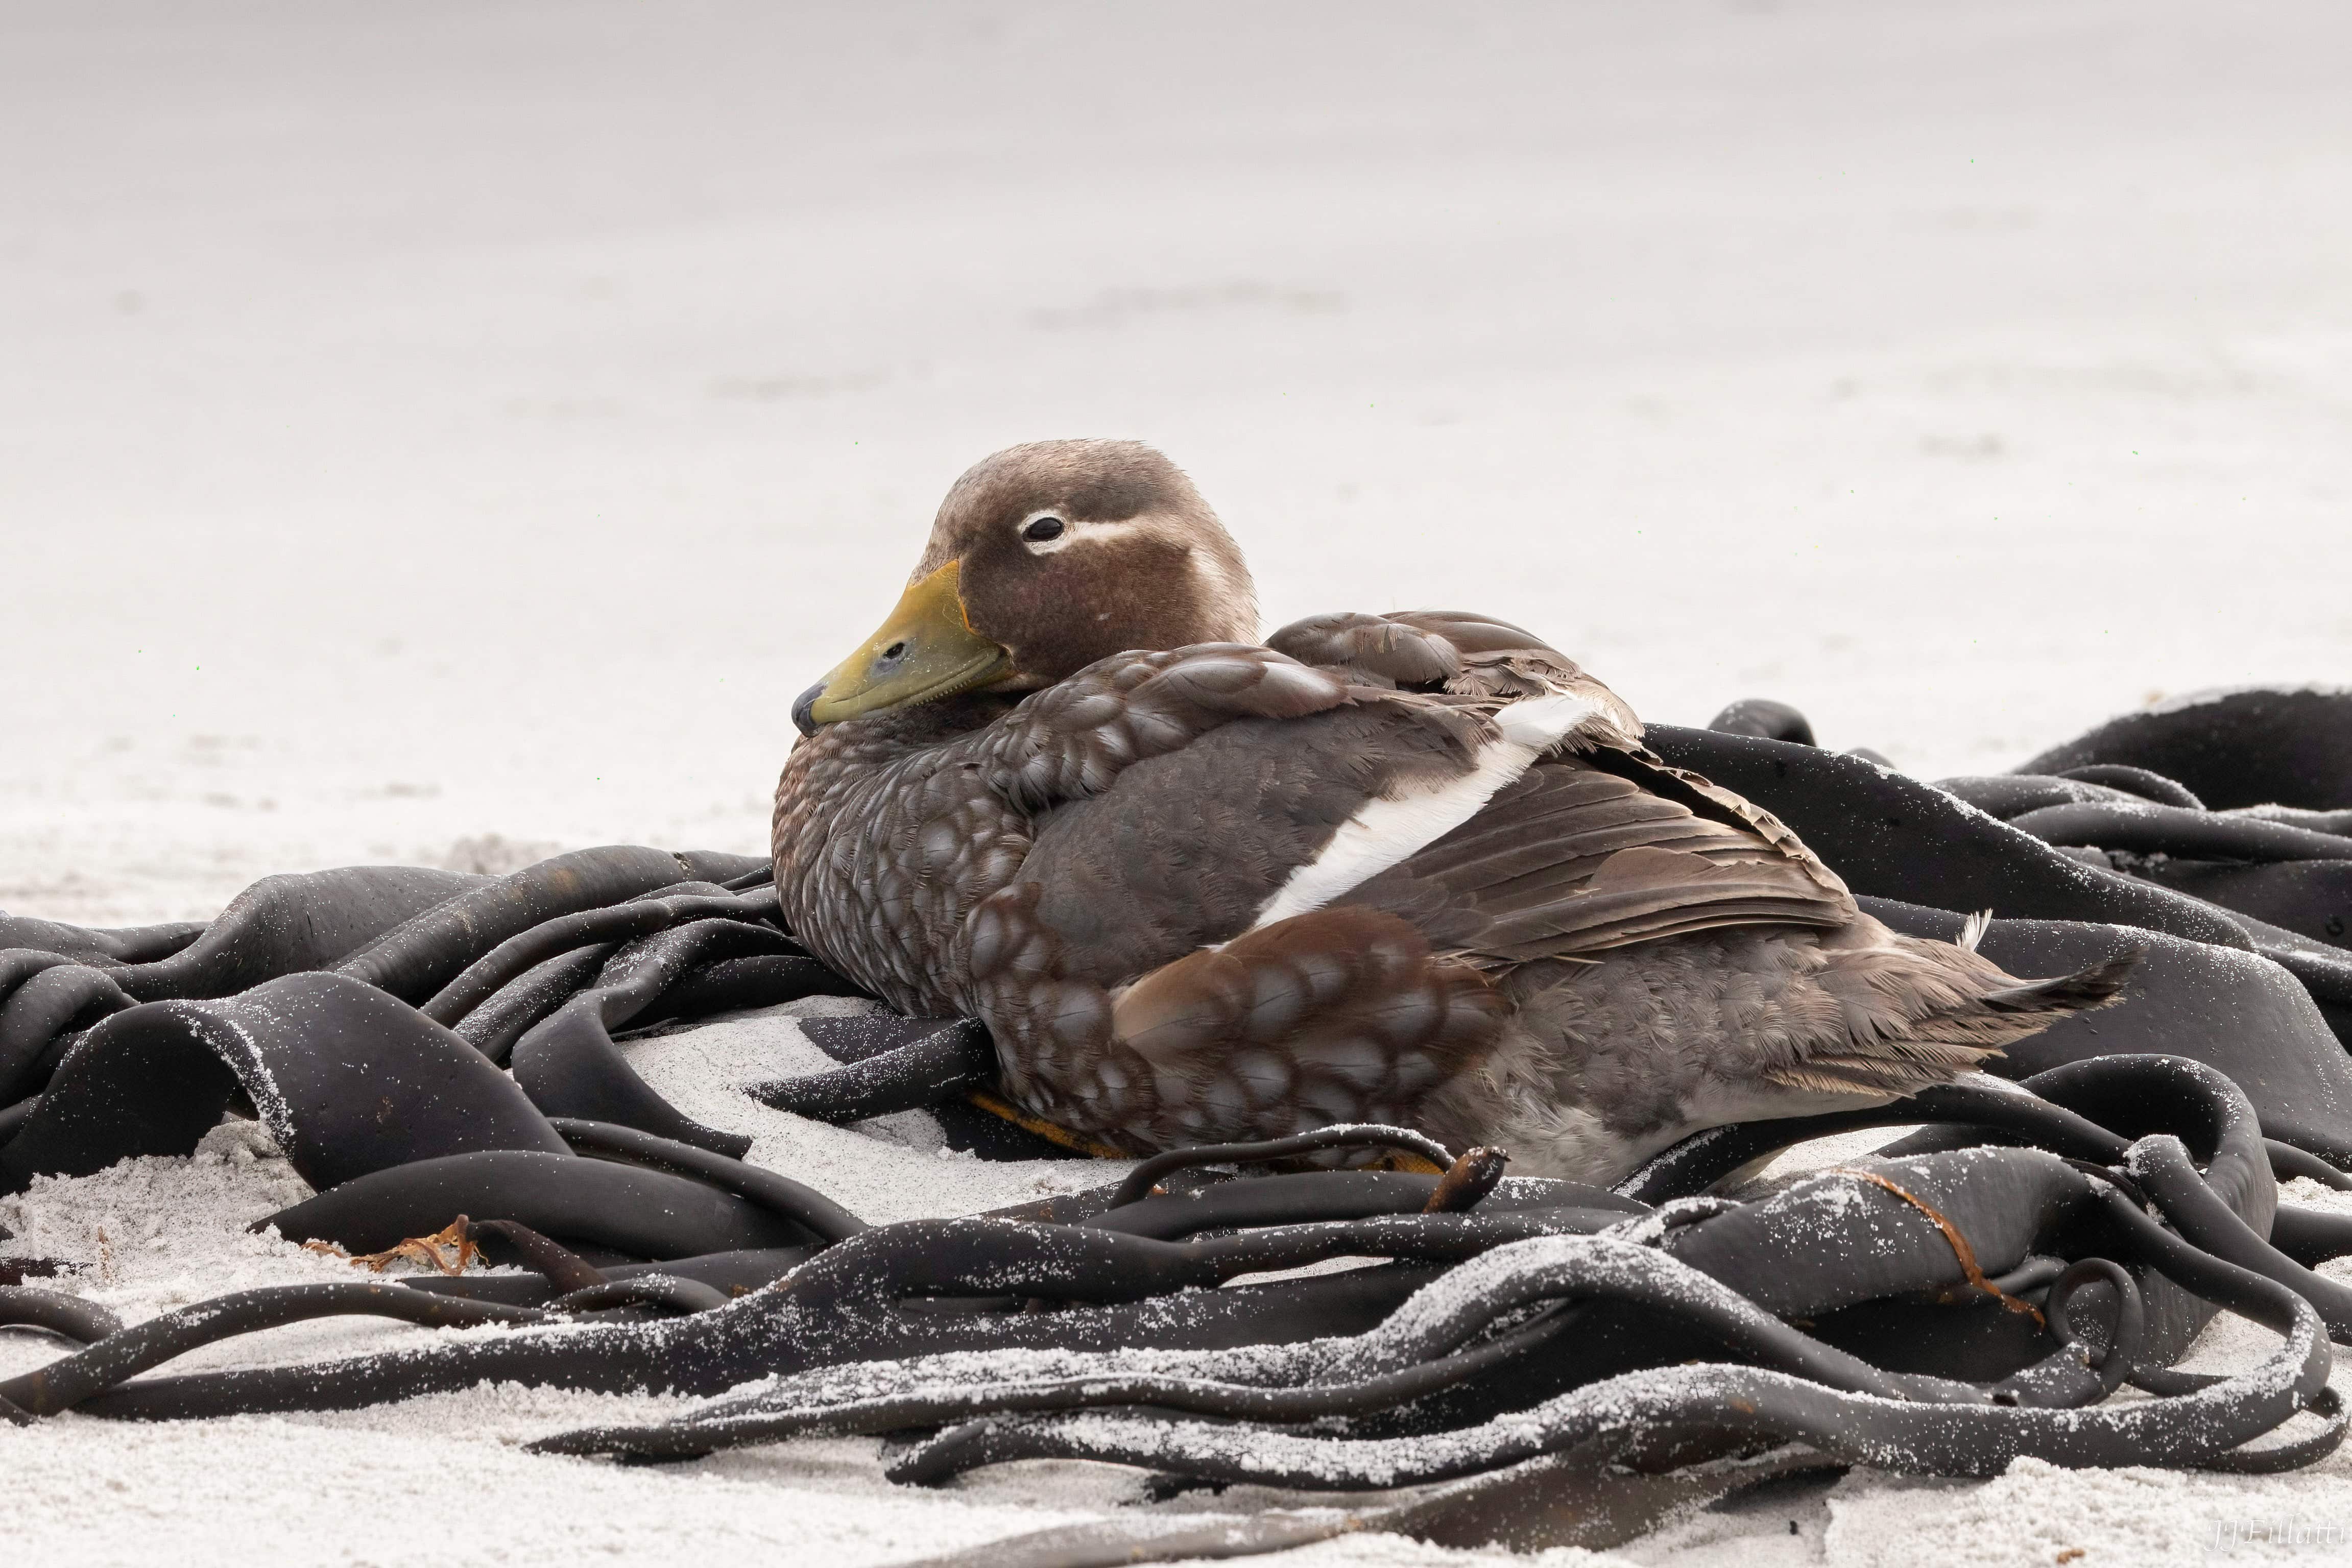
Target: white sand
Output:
{"points": [[428, 422]]}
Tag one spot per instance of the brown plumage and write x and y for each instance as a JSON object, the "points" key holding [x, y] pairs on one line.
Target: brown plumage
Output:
{"points": [[1410, 868]]}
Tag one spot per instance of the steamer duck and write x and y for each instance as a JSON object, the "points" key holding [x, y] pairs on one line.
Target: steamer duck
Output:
{"points": [[1412, 868]]}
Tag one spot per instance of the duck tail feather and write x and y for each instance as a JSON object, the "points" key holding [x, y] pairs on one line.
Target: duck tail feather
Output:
{"points": [[2094, 987]]}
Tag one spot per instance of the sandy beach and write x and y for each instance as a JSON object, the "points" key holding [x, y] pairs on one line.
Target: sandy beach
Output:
{"points": [[446, 434]]}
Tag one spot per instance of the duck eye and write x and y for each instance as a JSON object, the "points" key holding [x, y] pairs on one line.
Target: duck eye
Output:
{"points": [[1040, 529]]}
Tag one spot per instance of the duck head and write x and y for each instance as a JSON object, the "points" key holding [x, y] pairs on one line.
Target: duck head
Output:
{"points": [[1044, 559]]}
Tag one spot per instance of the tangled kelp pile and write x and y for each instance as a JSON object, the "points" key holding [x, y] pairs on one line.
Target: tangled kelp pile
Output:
{"points": [[1533, 1363]]}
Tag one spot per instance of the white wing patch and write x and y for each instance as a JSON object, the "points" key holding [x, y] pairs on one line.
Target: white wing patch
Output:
{"points": [[1388, 829]]}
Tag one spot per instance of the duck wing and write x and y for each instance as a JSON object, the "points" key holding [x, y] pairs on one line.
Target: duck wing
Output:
{"points": [[1504, 830], [1586, 852], [1595, 847], [1286, 921]]}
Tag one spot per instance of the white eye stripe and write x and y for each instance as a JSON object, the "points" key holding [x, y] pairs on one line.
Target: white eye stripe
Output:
{"points": [[1073, 531]]}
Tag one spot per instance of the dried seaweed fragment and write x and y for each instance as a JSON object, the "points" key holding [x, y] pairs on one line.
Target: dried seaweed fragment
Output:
{"points": [[446, 1250]]}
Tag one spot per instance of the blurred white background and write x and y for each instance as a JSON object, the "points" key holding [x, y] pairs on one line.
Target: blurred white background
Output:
{"points": [[435, 420]]}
